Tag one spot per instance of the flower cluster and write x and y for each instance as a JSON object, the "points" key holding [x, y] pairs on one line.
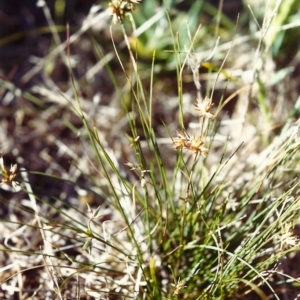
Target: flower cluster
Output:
{"points": [[8, 175], [203, 107], [195, 144], [118, 8], [286, 237]]}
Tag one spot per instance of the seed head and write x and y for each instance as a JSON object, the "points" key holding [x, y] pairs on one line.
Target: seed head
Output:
{"points": [[8, 175], [118, 8], [286, 237], [203, 107], [194, 144]]}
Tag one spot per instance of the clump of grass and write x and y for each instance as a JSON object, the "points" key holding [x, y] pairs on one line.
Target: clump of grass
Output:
{"points": [[205, 215]]}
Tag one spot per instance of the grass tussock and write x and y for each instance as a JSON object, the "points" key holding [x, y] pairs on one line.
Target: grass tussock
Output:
{"points": [[152, 152]]}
